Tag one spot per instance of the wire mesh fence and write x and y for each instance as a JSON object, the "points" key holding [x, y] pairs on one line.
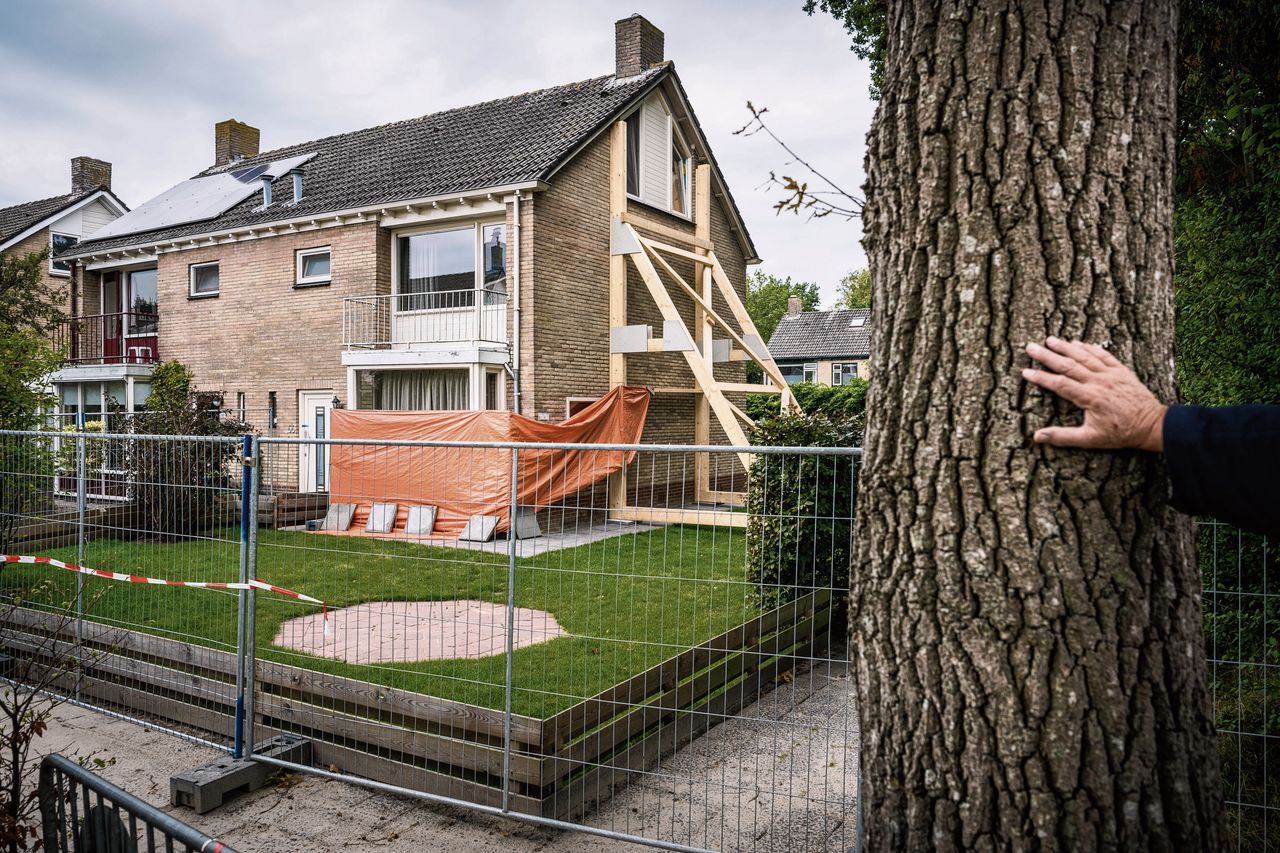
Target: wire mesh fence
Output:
{"points": [[641, 641]]}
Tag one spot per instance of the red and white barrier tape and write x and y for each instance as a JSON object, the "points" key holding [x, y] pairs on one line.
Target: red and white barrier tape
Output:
{"points": [[120, 576]]}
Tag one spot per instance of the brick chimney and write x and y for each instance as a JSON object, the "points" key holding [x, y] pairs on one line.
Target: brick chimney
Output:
{"points": [[89, 174], [638, 45], [234, 140], [793, 306]]}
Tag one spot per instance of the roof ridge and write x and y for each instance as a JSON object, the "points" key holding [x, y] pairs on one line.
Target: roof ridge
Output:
{"points": [[266, 156]]}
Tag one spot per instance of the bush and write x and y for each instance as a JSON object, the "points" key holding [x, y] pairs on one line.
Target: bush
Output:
{"points": [[848, 400], [180, 486], [800, 529]]}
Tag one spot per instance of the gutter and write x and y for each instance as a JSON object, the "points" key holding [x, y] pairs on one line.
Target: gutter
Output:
{"points": [[515, 327]]}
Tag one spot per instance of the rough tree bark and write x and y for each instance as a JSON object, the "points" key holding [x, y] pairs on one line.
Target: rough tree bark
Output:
{"points": [[1026, 622]]}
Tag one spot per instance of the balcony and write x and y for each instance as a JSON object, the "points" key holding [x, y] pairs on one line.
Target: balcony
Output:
{"points": [[414, 321], [125, 338]]}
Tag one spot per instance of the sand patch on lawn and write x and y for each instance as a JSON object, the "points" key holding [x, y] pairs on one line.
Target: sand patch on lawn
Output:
{"points": [[404, 631]]}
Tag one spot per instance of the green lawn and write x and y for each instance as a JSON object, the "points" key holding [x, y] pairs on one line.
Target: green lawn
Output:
{"points": [[627, 602]]}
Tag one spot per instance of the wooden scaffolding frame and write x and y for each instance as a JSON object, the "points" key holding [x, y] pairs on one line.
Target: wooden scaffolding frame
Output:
{"points": [[701, 349]]}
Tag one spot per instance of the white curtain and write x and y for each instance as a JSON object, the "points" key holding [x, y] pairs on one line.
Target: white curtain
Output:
{"points": [[424, 390]]}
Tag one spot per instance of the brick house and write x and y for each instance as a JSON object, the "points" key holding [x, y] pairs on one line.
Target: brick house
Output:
{"points": [[60, 222], [825, 347], [460, 260]]}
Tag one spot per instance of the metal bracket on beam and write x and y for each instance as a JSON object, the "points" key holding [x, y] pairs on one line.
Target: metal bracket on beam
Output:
{"points": [[622, 240], [630, 338]]}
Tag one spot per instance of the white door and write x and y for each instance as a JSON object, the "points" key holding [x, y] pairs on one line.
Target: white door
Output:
{"points": [[313, 422]]}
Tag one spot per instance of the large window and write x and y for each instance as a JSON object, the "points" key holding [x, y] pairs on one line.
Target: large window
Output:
{"points": [[204, 279], [58, 242], [414, 390], [793, 373], [444, 269], [141, 302]]}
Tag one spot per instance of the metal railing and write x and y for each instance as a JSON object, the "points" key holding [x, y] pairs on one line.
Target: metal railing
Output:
{"points": [[129, 337], [83, 813], [407, 319]]}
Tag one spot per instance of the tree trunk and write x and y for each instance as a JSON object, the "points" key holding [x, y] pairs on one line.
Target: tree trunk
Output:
{"points": [[1026, 622]]}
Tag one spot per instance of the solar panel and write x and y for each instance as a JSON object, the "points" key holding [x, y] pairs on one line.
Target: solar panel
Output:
{"points": [[198, 199]]}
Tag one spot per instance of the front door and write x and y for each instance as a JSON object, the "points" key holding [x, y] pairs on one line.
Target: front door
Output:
{"points": [[313, 423]]}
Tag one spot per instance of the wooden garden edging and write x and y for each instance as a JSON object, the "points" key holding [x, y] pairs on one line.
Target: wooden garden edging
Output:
{"points": [[560, 766]]}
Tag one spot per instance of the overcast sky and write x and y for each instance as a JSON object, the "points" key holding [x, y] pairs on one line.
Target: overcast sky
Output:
{"points": [[140, 84]]}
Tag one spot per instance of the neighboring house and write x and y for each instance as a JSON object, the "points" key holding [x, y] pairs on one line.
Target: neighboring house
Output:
{"points": [[460, 260], [826, 347], [58, 223]]}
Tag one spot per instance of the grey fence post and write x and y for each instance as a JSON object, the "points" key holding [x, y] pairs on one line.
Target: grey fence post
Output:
{"points": [[254, 469], [82, 472], [247, 513], [511, 628]]}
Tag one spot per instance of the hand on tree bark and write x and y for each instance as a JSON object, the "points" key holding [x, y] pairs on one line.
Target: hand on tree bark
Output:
{"points": [[1119, 411]]}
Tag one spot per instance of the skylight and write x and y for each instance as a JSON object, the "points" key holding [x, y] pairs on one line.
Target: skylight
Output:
{"points": [[860, 320]]}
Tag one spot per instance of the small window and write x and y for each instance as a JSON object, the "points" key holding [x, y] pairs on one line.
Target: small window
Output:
{"points": [[680, 182], [842, 372], [204, 279], [633, 154], [811, 372], [313, 266], [57, 243]]}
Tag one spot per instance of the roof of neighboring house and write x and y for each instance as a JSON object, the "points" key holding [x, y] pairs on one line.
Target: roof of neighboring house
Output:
{"points": [[509, 141], [14, 220], [823, 334]]}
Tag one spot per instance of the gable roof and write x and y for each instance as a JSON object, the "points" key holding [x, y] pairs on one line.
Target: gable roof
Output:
{"points": [[515, 140], [18, 221], [822, 334]]}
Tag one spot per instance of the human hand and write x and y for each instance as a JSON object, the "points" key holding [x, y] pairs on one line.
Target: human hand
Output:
{"points": [[1119, 411]]}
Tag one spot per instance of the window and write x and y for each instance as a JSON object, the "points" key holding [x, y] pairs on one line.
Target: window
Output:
{"points": [[444, 269], [679, 174], [313, 266], [659, 163], [842, 372], [811, 372], [141, 302], [58, 242], [793, 373], [491, 390], [204, 279], [633, 154]]}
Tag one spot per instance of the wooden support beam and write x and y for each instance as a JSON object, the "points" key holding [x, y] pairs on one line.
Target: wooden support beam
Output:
{"points": [[740, 314], [701, 369], [750, 388], [653, 226], [660, 515], [702, 325], [617, 281]]}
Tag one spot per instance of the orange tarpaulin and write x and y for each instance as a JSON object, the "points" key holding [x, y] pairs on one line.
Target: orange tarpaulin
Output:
{"points": [[467, 481]]}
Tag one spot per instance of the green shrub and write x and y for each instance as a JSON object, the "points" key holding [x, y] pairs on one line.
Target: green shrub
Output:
{"points": [[848, 400], [800, 525]]}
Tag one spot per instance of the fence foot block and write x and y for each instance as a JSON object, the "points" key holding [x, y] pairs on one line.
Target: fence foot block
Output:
{"points": [[205, 788]]}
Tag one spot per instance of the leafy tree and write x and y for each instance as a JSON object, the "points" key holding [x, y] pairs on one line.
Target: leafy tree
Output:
{"points": [[767, 297], [844, 401], [855, 290], [181, 487], [864, 21], [29, 311], [1025, 622]]}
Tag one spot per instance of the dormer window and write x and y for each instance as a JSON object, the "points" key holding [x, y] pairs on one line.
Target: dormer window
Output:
{"points": [[659, 165]]}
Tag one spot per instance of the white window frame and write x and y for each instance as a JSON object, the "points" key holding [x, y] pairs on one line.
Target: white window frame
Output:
{"points": [[52, 269], [673, 133], [191, 280], [476, 225], [304, 281], [810, 374]]}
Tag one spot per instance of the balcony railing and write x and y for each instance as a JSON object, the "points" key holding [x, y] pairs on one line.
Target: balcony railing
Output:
{"points": [[414, 319], [129, 337]]}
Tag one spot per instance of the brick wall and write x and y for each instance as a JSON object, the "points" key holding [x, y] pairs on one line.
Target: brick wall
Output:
{"points": [[261, 333], [38, 242]]}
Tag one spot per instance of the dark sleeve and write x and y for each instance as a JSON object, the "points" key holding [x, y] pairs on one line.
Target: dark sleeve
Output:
{"points": [[1225, 462]]}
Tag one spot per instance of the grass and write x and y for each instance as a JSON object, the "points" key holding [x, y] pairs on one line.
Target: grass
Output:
{"points": [[627, 603]]}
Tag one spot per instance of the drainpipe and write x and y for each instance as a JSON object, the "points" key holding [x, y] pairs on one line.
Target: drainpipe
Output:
{"points": [[515, 323]]}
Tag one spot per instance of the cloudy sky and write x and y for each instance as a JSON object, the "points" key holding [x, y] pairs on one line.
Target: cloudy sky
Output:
{"points": [[141, 84]]}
